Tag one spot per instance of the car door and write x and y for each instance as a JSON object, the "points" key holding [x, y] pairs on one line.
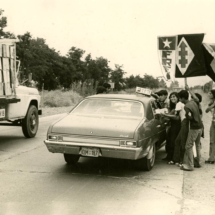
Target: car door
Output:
{"points": [[160, 126]]}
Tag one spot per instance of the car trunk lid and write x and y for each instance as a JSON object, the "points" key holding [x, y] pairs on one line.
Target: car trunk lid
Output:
{"points": [[97, 126]]}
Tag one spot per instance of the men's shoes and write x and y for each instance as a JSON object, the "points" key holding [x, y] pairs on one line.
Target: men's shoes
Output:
{"points": [[171, 162], [179, 164], [182, 168], [209, 162]]}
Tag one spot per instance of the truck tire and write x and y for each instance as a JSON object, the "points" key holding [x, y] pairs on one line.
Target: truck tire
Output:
{"points": [[31, 122]]}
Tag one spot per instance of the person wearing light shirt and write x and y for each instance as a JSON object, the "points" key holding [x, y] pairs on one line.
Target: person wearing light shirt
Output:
{"points": [[211, 108], [182, 136]]}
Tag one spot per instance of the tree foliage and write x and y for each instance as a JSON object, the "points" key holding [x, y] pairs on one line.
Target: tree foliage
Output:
{"points": [[208, 86], [51, 70], [174, 84], [147, 81], [117, 77], [3, 24]]}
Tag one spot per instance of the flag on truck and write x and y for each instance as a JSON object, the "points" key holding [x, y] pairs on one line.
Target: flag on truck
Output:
{"points": [[182, 56], [209, 54]]}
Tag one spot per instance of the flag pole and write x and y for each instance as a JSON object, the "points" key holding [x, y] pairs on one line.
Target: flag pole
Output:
{"points": [[185, 81]]}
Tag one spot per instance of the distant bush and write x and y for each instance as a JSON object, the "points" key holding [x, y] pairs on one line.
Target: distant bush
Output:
{"points": [[84, 89], [59, 98], [130, 90], [208, 86]]}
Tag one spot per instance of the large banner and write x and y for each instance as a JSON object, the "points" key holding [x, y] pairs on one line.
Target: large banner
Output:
{"points": [[182, 56], [166, 54], [209, 54], [190, 60]]}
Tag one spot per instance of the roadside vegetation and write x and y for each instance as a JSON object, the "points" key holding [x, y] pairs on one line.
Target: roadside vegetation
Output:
{"points": [[58, 98]]}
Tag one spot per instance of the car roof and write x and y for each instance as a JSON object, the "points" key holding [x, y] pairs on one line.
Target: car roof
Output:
{"points": [[135, 97]]}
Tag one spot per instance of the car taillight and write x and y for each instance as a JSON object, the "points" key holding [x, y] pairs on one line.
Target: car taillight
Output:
{"points": [[127, 143], [55, 138]]}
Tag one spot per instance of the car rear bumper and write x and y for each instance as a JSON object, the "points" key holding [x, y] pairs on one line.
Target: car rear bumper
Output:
{"points": [[105, 150]]}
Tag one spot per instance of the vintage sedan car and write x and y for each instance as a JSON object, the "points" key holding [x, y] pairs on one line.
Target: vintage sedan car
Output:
{"points": [[109, 125]]}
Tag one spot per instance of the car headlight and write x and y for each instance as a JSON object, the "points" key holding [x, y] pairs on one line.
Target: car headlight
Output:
{"points": [[127, 143], [55, 138]]}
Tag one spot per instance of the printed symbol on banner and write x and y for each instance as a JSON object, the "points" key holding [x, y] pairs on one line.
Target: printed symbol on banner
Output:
{"points": [[184, 56], [167, 43]]}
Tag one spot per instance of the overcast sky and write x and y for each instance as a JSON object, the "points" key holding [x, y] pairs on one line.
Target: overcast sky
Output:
{"points": [[125, 32]]}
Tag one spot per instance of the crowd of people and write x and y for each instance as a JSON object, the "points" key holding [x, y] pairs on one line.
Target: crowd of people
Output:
{"points": [[183, 142]]}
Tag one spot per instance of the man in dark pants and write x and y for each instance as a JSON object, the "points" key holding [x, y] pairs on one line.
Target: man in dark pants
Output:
{"points": [[195, 132]]}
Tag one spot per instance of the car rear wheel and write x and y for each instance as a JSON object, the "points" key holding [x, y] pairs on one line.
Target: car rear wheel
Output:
{"points": [[147, 162], [71, 159]]}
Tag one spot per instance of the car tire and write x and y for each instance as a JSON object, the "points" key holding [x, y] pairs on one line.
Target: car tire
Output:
{"points": [[71, 159], [147, 162], [31, 122]]}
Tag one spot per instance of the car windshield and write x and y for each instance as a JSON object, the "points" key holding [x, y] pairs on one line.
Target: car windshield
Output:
{"points": [[110, 108]]}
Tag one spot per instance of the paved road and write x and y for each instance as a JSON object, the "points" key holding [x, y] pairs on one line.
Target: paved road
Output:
{"points": [[35, 181]]}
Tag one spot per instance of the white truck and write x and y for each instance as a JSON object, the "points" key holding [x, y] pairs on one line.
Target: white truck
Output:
{"points": [[19, 105]]}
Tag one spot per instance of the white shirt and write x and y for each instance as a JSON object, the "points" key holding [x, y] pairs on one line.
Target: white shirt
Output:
{"points": [[180, 107]]}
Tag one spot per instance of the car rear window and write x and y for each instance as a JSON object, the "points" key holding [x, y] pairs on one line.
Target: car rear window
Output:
{"points": [[107, 107]]}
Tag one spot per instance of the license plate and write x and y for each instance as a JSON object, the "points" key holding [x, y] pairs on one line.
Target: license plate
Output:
{"points": [[2, 113], [91, 152]]}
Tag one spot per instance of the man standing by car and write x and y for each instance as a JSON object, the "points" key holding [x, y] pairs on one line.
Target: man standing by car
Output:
{"points": [[195, 132], [161, 102], [163, 98]]}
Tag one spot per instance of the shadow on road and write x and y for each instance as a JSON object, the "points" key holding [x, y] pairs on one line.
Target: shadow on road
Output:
{"points": [[17, 143], [10, 139], [109, 167]]}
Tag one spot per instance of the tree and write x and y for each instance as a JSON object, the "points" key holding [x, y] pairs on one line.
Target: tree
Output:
{"points": [[208, 86], [150, 82], [117, 77], [37, 58], [98, 70], [162, 84], [174, 84], [66, 72], [147, 81], [75, 55], [3, 24], [134, 81]]}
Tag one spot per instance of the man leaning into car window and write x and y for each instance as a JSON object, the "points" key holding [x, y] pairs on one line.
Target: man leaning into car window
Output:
{"points": [[160, 101]]}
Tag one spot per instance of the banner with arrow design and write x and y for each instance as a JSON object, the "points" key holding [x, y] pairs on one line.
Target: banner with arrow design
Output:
{"points": [[190, 60], [182, 56]]}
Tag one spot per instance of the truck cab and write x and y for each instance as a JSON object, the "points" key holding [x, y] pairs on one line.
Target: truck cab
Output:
{"points": [[19, 105]]}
